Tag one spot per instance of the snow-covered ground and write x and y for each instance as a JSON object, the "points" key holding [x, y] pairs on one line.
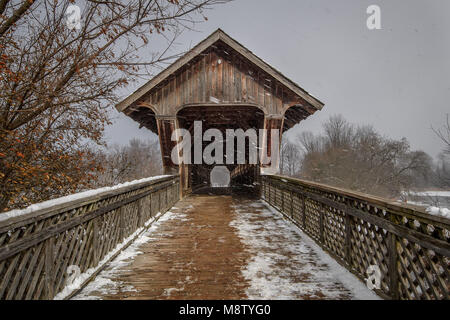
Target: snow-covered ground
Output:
{"points": [[286, 263], [431, 193], [436, 202]]}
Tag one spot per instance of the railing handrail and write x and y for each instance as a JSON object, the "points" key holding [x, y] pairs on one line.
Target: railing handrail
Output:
{"points": [[397, 207], [38, 247], [43, 213], [410, 247]]}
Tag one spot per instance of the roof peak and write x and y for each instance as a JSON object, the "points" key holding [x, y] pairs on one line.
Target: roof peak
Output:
{"points": [[215, 36]]}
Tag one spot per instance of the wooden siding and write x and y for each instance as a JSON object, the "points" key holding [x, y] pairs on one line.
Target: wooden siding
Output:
{"points": [[221, 76]]}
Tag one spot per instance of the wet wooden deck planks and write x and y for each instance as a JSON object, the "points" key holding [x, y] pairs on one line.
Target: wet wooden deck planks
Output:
{"points": [[198, 255]]}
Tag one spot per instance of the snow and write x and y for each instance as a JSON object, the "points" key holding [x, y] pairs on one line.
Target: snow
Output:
{"points": [[286, 263], [103, 282], [430, 193], [438, 211], [214, 99], [72, 197]]}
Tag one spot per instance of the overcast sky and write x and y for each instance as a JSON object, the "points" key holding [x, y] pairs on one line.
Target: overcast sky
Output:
{"points": [[397, 78]]}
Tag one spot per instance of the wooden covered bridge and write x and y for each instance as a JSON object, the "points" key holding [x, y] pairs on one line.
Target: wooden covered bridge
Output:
{"points": [[262, 236]]}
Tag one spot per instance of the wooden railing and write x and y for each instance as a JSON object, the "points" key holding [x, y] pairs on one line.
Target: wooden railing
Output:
{"points": [[410, 247], [36, 249], [243, 169]]}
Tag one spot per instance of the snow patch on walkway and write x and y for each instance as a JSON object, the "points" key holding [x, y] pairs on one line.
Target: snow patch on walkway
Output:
{"points": [[286, 263], [103, 283]]}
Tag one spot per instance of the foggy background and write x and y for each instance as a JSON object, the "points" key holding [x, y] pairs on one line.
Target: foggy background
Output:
{"points": [[396, 78]]}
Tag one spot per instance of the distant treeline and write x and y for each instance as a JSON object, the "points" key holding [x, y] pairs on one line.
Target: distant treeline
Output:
{"points": [[361, 159]]}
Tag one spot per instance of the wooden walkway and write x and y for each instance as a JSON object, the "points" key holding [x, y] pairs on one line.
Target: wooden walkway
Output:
{"points": [[223, 247]]}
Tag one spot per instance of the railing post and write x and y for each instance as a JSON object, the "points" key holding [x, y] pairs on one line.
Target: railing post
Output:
{"points": [[263, 187], [271, 195], [95, 242], [167, 199], [122, 223], [48, 265], [159, 200], [304, 212], [140, 213], [291, 205], [348, 234], [393, 273], [321, 222]]}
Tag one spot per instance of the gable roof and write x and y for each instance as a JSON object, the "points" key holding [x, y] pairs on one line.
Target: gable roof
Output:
{"points": [[199, 48]]}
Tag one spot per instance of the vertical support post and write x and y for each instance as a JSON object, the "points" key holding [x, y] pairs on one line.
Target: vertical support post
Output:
{"points": [[151, 204], [270, 193], [321, 222], [140, 212], [122, 222], [166, 126], [392, 268], [159, 201], [48, 265], [95, 242], [304, 212], [263, 188], [167, 199], [271, 122], [348, 234], [291, 206]]}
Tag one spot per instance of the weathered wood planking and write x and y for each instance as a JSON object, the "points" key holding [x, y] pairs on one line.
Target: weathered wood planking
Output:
{"points": [[217, 78], [37, 248], [222, 84], [411, 248]]}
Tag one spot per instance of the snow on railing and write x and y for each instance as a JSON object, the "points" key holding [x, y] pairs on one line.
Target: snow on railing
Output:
{"points": [[410, 247], [79, 232]]}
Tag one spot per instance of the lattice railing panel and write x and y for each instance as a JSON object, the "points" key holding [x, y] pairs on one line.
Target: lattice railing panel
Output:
{"points": [[368, 246], [297, 208], [334, 230], [423, 273], [36, 249], [312, 218], [21, 274], [410, 247]]}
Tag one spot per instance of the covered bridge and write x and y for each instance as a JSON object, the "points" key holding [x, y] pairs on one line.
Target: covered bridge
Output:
{"points": [[268, 244], [224, 85]]}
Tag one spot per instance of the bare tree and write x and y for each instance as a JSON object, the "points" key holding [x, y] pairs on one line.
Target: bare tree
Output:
{"points": [[309, 142], [359, 158], [136, 160], [338, 131], [444, 135], [443, 167], [289, 159], [58, 83]]}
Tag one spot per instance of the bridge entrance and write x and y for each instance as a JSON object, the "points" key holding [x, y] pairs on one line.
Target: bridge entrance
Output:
{"points": [[218, 120], [220, 85]]}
